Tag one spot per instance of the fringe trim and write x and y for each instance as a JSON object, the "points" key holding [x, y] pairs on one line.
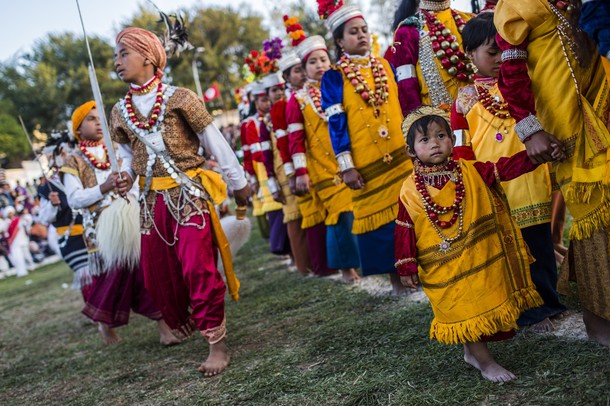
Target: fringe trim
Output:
{"points": [[312, 220], [95, 267], [291, 217], [376, 220], [579, 192], [598, 219], [502, 318], [333, 219]]}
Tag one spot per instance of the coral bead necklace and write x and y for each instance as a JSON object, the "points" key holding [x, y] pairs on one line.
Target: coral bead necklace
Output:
{"points": [[92, 158], [154, 116]]}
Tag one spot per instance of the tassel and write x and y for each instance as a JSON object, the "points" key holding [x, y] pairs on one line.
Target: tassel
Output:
{"points": [[374, 221], [118, 234]]}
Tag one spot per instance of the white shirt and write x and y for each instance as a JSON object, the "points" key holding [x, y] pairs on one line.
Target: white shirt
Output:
{"points": [[79, 197], [211, 139]]}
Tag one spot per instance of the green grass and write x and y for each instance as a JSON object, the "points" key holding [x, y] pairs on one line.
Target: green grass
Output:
{"points": [[295, 341]]}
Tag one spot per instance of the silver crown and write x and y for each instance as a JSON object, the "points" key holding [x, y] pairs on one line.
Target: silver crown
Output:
{"points": [[341, 16], [272, 79], [310, 44]]}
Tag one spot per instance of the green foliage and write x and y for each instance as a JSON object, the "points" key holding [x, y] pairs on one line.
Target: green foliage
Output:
{"points": [[14, 147]]}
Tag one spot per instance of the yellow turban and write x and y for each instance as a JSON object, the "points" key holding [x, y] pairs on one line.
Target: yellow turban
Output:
{"points": [[146, 44], [79, 115]]}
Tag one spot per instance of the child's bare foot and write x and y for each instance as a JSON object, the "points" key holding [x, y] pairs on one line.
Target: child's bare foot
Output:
{"points": [[217, 361], [349, 276], [478, 355], [166, 337], [398, 289], [108, 334], [544, 326]]}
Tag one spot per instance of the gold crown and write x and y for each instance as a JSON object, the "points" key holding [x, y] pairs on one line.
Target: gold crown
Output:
{"points": [[441, 111]]}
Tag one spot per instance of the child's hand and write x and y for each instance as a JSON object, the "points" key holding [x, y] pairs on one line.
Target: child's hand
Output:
{"points": [[558, 153], [410, 281]]}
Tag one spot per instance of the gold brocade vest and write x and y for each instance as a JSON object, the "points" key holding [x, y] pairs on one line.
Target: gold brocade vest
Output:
{"points": [[291, 208], [579, 118], [491, 137], [322, 165], [376, 204], [451, 83], [481, 284]]}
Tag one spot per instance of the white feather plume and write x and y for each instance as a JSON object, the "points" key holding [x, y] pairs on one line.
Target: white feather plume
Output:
{"points": [[118, 234]]}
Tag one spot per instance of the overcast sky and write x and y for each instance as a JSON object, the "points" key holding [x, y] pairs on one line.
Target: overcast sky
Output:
{"points": [[26, 21]]}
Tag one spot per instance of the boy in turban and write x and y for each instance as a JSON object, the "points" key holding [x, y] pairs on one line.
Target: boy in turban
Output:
{"points": [[160, 130]]}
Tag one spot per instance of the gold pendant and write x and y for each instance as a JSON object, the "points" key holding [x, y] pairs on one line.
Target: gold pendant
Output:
{"points": [[387, 158]]}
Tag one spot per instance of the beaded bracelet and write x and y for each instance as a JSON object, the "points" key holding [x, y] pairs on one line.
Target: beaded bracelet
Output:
{"points": [[527, 127]]}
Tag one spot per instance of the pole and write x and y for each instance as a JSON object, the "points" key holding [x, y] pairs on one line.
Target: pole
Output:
{"points": [[36, 157]]}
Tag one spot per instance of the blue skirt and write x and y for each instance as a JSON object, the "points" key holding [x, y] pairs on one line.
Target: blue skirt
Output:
{"points": [[377, 250], [341, 245]]}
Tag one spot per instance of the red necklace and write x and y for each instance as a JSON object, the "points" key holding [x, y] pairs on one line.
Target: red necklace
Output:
{"points": [[447, 49], [562, 5], [99, 165], [433, 210], [154, 113], [314, 94], [375, 98], [494, 104], [146, 87]]}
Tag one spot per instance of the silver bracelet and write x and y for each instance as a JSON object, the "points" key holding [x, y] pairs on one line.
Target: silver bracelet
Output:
{"points": [[608, 55], [299, 160], [514, 53], [334, 109], [345, 161], [273, 186], [527, 127]]}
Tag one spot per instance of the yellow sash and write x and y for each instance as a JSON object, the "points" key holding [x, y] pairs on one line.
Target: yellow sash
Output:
{"points": [[529, 196], [77, 229], [323, 168], [376, 204], [217, 189], [575, 118], [482, 283]]}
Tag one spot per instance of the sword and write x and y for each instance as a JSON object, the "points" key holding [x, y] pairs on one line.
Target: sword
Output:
{"points": [[97, 95], [37, 158], [99, 103]]}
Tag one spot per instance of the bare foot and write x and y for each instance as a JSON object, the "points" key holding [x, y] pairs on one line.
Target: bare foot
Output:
{"points": [[478, 355], [108, 334], [349, 276], [544, 326], [166, 337], [398, 289], [217, 361], [597, 327]]}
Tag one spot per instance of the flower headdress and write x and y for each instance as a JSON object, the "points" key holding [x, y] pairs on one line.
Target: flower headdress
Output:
{"points": [[294, 30], [336, 13]]}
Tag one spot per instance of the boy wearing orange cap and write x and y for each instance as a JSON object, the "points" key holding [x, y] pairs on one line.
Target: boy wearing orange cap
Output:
{"points": [[160, 130], [90, 186]]}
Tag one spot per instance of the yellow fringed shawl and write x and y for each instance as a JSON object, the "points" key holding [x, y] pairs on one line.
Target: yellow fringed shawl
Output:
{"points": [[312, 209], [529, 195], [451, 83], [375, 204], [482, 283], [268, 204], [577, 117], [322, 165], [291, 208]]}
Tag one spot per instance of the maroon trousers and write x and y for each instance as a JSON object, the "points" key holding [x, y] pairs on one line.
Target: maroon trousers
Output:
{"points": [[184, 275], [112, 295]]}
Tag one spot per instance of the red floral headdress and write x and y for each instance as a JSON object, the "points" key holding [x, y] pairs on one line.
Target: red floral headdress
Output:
{"points": [[294, 30], [327, 7]]}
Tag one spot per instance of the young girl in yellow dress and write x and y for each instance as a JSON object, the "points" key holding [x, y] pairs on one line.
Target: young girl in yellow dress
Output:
{"points": [[315, 164], [360, 100], [456, 237]]}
